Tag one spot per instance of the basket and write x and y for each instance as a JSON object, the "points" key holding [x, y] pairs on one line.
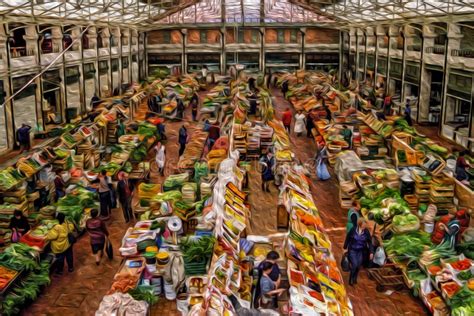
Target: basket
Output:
{"points": [[195, 268]]}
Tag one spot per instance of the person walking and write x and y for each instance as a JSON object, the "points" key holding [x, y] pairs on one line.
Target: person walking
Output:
{"points": [[358, 242], [407, 115], [299, 123], [160, 158], [125, 195], [98, 233], [104, 195], [180, 108], [286, 118], [182, 139], [19, 225], [23, 137], [194, 107], [268, 163], [60, 245]]}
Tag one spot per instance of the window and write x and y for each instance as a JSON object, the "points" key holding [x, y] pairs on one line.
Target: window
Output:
{"points": [[72, 88], [203, 36], [24, 104], [280, 36], [89, 83], [293, 36], [115, 75]]}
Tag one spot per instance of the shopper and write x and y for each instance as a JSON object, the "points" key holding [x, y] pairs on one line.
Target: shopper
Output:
{"points": [[104, 195], [60, 185], [284, 88], [309, 125], [407, 115], [352, 216], [268, 163], [60, 245], [121, 129], [286, 118], [182, 139], [275, 275], [19, 225], [124, 191], [357, 103], [214, 134], [269, 288], [358, 242], [97, 233], [95, 101], [160, 158], [180, 108], [194, 107], [299, 123], [347, 134], [461, 166], [23, 137]]}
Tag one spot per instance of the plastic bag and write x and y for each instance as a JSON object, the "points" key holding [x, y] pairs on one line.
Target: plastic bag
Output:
{"points": [[379, 256], [322, 171], [109, 249], [345, 264]]}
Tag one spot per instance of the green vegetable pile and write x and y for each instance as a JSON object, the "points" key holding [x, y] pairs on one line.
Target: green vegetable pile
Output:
{"points": [[465, 275], [139, 153], [197, 249], [147, 129], [462, 303], [467, 248], [27, 289], [144, 293], [74, 203], [409, 246], [19, 257]]}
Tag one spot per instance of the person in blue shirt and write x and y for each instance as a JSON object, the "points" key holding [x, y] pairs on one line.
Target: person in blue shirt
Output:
{"points": [[357, 242], [269, 288], [274, 275], [23, 137]]}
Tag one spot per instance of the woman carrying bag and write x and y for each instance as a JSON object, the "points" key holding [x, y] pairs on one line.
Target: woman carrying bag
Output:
{"points": [[98, 234], [61, 238]]}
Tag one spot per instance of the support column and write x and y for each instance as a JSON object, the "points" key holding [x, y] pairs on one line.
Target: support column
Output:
{"points": [[7, 87], [184, 56], [425, 76], [453, 41], [341, 58], [405, 34], [303, 48], [262, 49], [223, 59], [117, 35], [356, 57], [32, 49], [76, 34]]}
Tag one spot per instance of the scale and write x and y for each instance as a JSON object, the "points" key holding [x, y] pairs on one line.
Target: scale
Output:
{"points": [[175, 225]]}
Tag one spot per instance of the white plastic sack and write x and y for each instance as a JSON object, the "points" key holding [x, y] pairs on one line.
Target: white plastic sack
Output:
{"points": [[379, 256]]}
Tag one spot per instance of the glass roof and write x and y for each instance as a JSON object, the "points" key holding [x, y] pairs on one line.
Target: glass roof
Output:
{"points": [[146, 13], [244, 11], [382, 10]]}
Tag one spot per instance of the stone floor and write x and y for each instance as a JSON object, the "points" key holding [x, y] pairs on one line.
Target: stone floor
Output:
{"points": [[80, 292]]}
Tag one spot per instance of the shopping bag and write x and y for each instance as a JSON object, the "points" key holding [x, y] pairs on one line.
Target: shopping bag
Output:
{"points": [[16, 236], [379, 256], [322, 171], [109, 249], [345, 264]]}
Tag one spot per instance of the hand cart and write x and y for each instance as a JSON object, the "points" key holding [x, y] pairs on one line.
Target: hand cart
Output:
{"points": [[387, 276]]}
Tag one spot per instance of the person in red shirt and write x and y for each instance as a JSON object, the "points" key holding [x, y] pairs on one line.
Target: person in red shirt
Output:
{"points": [[286, 119]]}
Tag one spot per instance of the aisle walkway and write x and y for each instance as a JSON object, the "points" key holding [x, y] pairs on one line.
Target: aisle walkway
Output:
{"points": [[365, 299]]}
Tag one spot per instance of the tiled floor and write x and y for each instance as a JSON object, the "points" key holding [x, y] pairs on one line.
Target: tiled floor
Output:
{"points": [[80, 293]]}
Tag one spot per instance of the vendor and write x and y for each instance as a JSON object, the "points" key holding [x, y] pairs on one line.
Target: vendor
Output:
{"points": [[461, 166], [275, 274], [19, 225], [446, 230], [268, 163], [214, 134], [269, 288], [95, 101], [347, 134], [194, 107], [59, 185]]}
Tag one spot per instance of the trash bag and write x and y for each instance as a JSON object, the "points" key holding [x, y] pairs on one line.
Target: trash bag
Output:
{"points": [[322, 171], [379, 256], [345, 264], [109, 249]]}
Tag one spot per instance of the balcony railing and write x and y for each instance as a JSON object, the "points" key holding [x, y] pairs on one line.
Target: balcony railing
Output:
{"points": [[439, 50], [414, 48], [468, 53], [21, 52]]}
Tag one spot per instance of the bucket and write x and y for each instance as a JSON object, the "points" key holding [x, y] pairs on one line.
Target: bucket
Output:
{"points": [[182, 304], [429, 227], [170, 293]]}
